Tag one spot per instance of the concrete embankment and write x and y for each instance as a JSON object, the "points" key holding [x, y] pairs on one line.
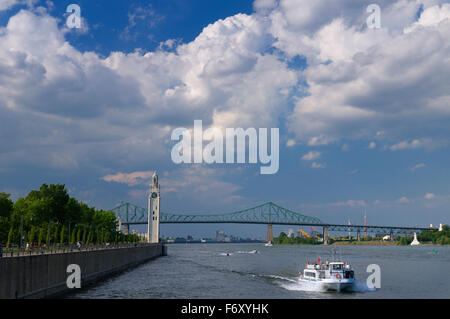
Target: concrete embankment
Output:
{"points": [[44, 276]]}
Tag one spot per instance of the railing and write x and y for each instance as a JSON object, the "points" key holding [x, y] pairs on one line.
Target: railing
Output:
{"points": [[34, 251]]}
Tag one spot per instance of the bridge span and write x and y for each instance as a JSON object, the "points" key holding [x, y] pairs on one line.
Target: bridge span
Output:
{"points": [[266, 214]]}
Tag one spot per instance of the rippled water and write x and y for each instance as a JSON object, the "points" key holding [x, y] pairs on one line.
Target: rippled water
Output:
{"points": [[205, 271]]}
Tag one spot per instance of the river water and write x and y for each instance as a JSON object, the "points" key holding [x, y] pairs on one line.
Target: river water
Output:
{"points": [[205, 271]]}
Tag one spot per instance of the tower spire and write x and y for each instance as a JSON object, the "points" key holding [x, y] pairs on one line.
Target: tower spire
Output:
{"points": [[153, 210]]}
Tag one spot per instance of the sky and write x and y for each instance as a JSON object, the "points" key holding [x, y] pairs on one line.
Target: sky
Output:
{"points": [[363, 113]]}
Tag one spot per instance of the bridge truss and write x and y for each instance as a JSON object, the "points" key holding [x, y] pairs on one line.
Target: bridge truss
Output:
{"points": [[266, 214]]}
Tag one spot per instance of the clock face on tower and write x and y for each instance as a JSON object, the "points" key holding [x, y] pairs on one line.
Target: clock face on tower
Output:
{"points": [[154, 195]]}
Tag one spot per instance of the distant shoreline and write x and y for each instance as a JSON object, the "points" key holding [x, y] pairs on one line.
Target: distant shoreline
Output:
{"points": [[366, 243], [380, 243]]}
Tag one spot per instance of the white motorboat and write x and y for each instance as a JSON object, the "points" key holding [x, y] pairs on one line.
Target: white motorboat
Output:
{"points": [[334, 276]]}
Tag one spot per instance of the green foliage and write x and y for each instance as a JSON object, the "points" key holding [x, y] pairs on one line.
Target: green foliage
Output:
{"points": [[43, 216], [6, 210], [10, 237], [32, 235], [6, 205], [73, 236], [62, 236], [41, 236], [55, 234], [78, 234], [4, 229], [404, 241], [283, 239], [436, 237]]}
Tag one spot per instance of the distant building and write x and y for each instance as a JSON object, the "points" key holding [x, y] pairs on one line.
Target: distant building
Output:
{"points": [[291, 233], [142, 236], [220, 236]]}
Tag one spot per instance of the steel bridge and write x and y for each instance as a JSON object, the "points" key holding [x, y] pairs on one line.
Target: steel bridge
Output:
{"points": [[265, 214]]}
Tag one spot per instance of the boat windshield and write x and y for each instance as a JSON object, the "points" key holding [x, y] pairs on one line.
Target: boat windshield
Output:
{"points": [[338, 266]]}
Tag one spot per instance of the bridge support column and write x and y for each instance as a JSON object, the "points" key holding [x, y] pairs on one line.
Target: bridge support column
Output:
{"points": [[269, 233], [325, 236], [392, 236], [358, 236]]}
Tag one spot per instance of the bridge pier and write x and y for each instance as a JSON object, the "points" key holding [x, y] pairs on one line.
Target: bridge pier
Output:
{"points": [[269, 233], [358, 235], [392, 236], [325, 235]]}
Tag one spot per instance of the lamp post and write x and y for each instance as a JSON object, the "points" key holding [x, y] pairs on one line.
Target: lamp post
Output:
{"points": [[32, 228], [68, 238], [48, 235], [21, 230]]}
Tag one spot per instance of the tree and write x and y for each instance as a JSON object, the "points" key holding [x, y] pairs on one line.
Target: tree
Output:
{"points": [[41, 236], [79, 234], [73, 236], [62, 235], [6, 205], [6, 210], [43, 213], [10, 237], [404, 241], [4, 229], [32, 235], [55, 234], [89, 237]]}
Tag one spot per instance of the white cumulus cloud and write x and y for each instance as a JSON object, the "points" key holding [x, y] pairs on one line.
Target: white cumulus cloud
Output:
{"points": [[313, 155]]}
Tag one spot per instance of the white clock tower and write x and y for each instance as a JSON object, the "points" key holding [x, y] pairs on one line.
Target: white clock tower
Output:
{"points": [[153, 211]]}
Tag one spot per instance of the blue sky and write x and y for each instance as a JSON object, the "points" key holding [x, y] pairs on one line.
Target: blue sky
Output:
{"points": [[363, 114]]}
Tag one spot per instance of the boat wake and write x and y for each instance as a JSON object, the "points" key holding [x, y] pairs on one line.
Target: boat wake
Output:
{"points": [[226, 254], [360, 287], [247, 252], [296, 285]]}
